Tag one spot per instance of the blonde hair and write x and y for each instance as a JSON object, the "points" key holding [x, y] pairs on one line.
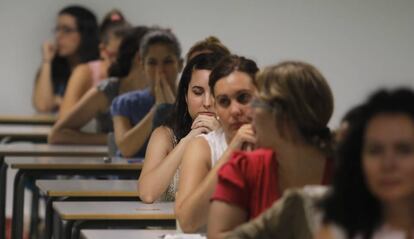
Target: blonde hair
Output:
{"points": [[299, 93]]}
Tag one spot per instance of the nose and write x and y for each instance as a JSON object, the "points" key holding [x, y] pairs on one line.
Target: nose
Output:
{"points": [[389, 159], [207, 101], [235, 108]]}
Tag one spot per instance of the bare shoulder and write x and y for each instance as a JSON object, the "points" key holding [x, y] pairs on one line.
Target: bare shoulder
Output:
{"points": [[162, 136], [198, 150], [83, 69]]}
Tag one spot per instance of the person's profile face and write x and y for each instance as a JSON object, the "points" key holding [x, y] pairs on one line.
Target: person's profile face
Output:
{"points": [[388, 157], [67, 35], [198, 97]]}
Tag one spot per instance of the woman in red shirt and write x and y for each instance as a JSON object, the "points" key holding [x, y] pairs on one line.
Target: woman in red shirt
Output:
{"points": [[291, 113]]}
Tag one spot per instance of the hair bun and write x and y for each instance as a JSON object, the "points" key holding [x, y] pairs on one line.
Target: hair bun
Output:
{"points": [[116, 17]]}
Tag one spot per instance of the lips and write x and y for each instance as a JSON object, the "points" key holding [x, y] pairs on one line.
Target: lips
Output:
{"points": [[208, 113]]}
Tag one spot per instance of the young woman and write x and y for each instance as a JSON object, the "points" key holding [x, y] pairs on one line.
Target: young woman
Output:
{"points": [[90, 74], [76, 42], [233, 86], [133, 113], [193, 115], [291, 112], [127, 75], [373, 188]]}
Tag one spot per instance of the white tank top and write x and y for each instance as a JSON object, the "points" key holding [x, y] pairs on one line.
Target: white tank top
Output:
{"points": [[217, 142]]}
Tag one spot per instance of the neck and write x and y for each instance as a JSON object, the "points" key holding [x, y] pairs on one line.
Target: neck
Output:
{"points": [[133, 81], [400, 215], [299, 165]]}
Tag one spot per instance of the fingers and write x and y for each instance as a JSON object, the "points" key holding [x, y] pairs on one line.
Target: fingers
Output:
{"points": [[206, 121], [245, 134]]}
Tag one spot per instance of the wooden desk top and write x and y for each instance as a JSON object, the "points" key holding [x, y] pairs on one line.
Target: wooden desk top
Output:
{"points": [[88, 188], [52, 150], [71, 210], [125, 233], [73, 163], [25, 131], [28, 119]]}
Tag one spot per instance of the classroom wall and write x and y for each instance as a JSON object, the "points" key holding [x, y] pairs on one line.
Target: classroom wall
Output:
{"points": [[360, 45]]}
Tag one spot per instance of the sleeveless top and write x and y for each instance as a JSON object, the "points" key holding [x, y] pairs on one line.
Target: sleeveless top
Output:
{"points": [[217, 142], [169, 194], [95, 67]]}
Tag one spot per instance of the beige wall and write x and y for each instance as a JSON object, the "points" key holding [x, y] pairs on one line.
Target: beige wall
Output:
{"points": [[358, 44]]}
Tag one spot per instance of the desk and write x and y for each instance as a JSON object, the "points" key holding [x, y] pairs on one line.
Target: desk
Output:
{"points": [[134, 214], [88, 188], [45, 119], [25, 132], [105, 189], [125, 234], [33, 168], [38, 150]]}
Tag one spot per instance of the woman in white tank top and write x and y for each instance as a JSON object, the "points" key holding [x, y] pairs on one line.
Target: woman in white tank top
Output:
{"points": [[232, 84], [192, 115]]}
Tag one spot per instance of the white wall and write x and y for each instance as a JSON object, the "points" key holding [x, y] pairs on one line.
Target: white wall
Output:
{"points": [[359, 45]]}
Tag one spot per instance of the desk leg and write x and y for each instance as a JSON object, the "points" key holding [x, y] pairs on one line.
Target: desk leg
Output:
{"points": [[3, 190], [34, 215], [49, 218], [18, 205]]}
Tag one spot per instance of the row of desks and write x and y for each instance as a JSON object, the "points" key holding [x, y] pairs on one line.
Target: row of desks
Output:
{"points": [[40, 160]]}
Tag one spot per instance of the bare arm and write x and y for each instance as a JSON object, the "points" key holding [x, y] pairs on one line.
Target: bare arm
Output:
{"points": [[197, 181], [224, 217], [129, 138], [79, 83], [44, 99], [67, 129], [161, 162]]}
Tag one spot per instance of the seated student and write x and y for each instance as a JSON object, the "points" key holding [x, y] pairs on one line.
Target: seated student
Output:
{"points": [[76, 42], [373, 188], [291, 112], [127, 75], [193, 115], [209, 45], [232, 83], [133, 113], [90, 74], [294, 216]]}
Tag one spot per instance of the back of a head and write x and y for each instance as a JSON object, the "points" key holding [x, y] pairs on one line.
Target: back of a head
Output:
{"points": [[230, 64], [302, 93], [127, 51], [87, 26], [209, 45], [114, 23], [160, 36]]}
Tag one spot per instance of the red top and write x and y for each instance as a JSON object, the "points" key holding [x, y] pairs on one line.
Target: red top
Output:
{"points": [[249, 181]]}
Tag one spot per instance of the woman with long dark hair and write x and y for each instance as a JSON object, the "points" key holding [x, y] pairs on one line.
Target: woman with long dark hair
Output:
{"points": [[192, 115], [126, 75], [373, 187], [76, 41]]}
